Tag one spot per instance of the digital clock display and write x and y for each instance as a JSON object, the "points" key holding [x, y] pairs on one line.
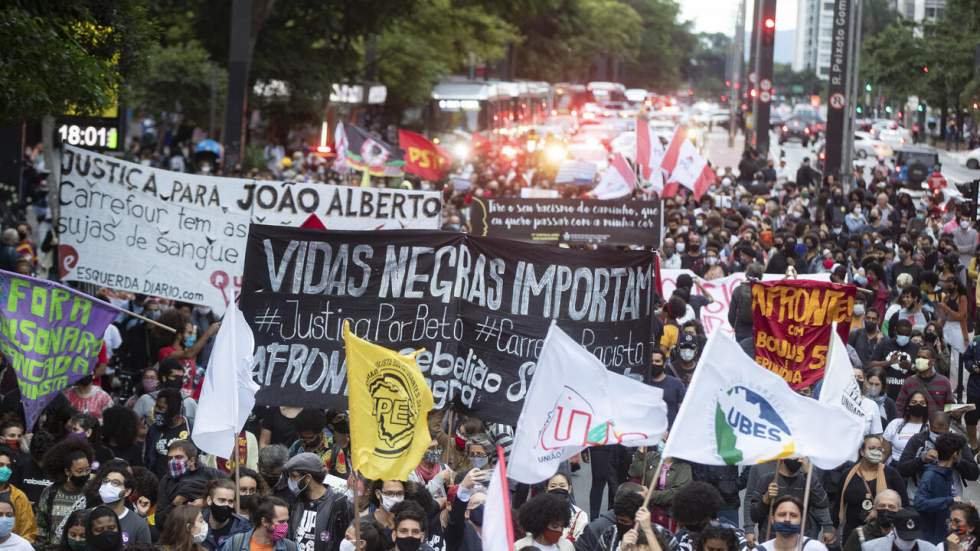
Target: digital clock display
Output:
{"points": [[92, 133]]}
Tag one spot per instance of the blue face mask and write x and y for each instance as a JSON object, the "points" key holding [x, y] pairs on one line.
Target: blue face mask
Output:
{"points": [[902, 340], [5, 473], [6, 526], [786, 528], [189, 341]]}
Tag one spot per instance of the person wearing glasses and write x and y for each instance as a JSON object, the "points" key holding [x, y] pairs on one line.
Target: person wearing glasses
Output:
{"points": [[115, 489]]}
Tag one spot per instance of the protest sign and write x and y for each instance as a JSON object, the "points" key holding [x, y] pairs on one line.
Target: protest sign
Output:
{"points": [[792, 320], [50, 335], [714, 316], [182, 236], [480, 307], [572, 221]]}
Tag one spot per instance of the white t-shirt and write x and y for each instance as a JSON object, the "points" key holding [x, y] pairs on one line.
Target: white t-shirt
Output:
{"points": [[112, 338], [16, 543], [900, 438], [809, 544]]}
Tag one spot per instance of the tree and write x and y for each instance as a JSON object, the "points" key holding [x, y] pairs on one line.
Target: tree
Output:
{"points": [[891, 60], [876, 16], [706, 71], [414, 52], [665, 46], [60, 57], [799, 84], [947, 52]]}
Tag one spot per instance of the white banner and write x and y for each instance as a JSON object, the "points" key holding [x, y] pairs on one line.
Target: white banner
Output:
{"points": [[182, 236], [714, 316]]}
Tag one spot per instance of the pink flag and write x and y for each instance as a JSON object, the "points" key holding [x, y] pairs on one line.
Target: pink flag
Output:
{"points": [[618, 180]]}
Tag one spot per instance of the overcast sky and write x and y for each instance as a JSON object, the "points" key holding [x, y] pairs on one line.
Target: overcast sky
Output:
{"points": [[718, 16]]}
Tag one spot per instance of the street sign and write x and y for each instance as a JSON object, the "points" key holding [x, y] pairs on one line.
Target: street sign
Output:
{"points": [[765, 96], [752, 77], [765, 84], [837, 101]]}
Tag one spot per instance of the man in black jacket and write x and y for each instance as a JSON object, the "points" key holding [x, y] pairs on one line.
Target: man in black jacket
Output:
{"points": [[182, 469], [921, 451], [319, 516]]}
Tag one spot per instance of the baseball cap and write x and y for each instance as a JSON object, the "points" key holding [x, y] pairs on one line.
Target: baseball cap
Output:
{"points": [[907, 524], [305, 462], [687, 341]]}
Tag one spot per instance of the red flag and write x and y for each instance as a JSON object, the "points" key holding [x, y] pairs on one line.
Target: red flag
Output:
{"points": [[422, 157], [670, 160]]}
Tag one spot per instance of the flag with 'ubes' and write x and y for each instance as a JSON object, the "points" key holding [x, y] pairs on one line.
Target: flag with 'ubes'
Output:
{"points": [[737, 412], [389, 405]]}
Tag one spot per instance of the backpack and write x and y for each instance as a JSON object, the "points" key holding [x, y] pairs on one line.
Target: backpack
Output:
{"points": [[743, 300]]}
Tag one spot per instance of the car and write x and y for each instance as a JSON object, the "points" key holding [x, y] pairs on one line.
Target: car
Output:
{"points": [[915, 163], [895, 137], [865, 145], [796, 128], [972, 160]]}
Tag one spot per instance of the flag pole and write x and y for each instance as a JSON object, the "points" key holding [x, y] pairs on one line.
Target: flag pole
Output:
{"points": [[775, 477], [357, 509], [238, 461], [506, 497], [806, 502], [653, 481]]}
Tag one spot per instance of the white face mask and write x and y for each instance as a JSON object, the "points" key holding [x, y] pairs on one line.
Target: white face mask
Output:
{"points": [[388, 502], [201, 534], [680, 247], [687, 354], [964, 224], [346, 545], [858, 309], [109, 493]]}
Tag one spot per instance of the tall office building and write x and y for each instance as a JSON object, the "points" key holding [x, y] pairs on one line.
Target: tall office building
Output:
{"points": [[815, 25]]}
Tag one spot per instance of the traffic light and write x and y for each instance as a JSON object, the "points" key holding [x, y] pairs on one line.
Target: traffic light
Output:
{"points": [[925, 68], [867, 87], [888, 109], [859, 109], [770, 23], [921, 108]]}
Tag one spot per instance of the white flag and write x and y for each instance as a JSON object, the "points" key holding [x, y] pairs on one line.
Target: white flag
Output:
{"points": [[618, 180], [736, 412], [574, 402], [498, 530], [228, 393], [840, 389]]}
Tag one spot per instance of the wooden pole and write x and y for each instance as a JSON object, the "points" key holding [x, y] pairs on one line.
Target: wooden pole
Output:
{"points": [[806, 503], [146, 319], [653, 481], [771, 502], [357, 511]]}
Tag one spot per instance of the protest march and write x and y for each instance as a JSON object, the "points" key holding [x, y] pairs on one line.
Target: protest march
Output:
{"points": [[652, 355]]}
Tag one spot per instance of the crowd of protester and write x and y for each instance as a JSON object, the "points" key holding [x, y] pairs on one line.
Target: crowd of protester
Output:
{"points": [[110, 464]]}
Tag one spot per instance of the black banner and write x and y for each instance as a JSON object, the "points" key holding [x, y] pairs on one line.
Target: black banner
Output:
{"points": [[572, 221], [837, 86], [480, 307]]}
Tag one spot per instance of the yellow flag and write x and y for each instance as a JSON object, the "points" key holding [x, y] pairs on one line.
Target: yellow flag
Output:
{"points": [[389, 407]]}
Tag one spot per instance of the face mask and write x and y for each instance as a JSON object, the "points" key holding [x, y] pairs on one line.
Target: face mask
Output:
{"points": [[280, 530], [872, 392], [347, 545], [246, 502], [460, 442], [686, 354], [870, 326], [680, 247], [12, 443], [149, 385], [964, 225], [918, 410], [884, 518], [656, 370], [6, 526], [478, 462], [189, 341], [711, 260], [173, 383], [294, 486], [84, 381], [177, 467], [861, 280], [550, 536], [5, 473], [388, 502], [785, 528], [221, 513], [874, 456], [109, 541], [902, 340], [792, 465], [201, 534], [78, 481], [433, 456], [904, 545], [933, 436], [922, 365], [476, 515], [109, 493], [858, 309], [408, 544]]}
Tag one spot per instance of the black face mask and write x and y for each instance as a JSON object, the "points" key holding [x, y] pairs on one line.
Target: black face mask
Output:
{"points": [[84, 381], [78, 481], [792, 465], [272, 481], [109, 541], [341, 427], [918, 410], [884, 518], [246, 502], [172, 383], [408, 544], [656, 370], [221, 513], [476, 515]]}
